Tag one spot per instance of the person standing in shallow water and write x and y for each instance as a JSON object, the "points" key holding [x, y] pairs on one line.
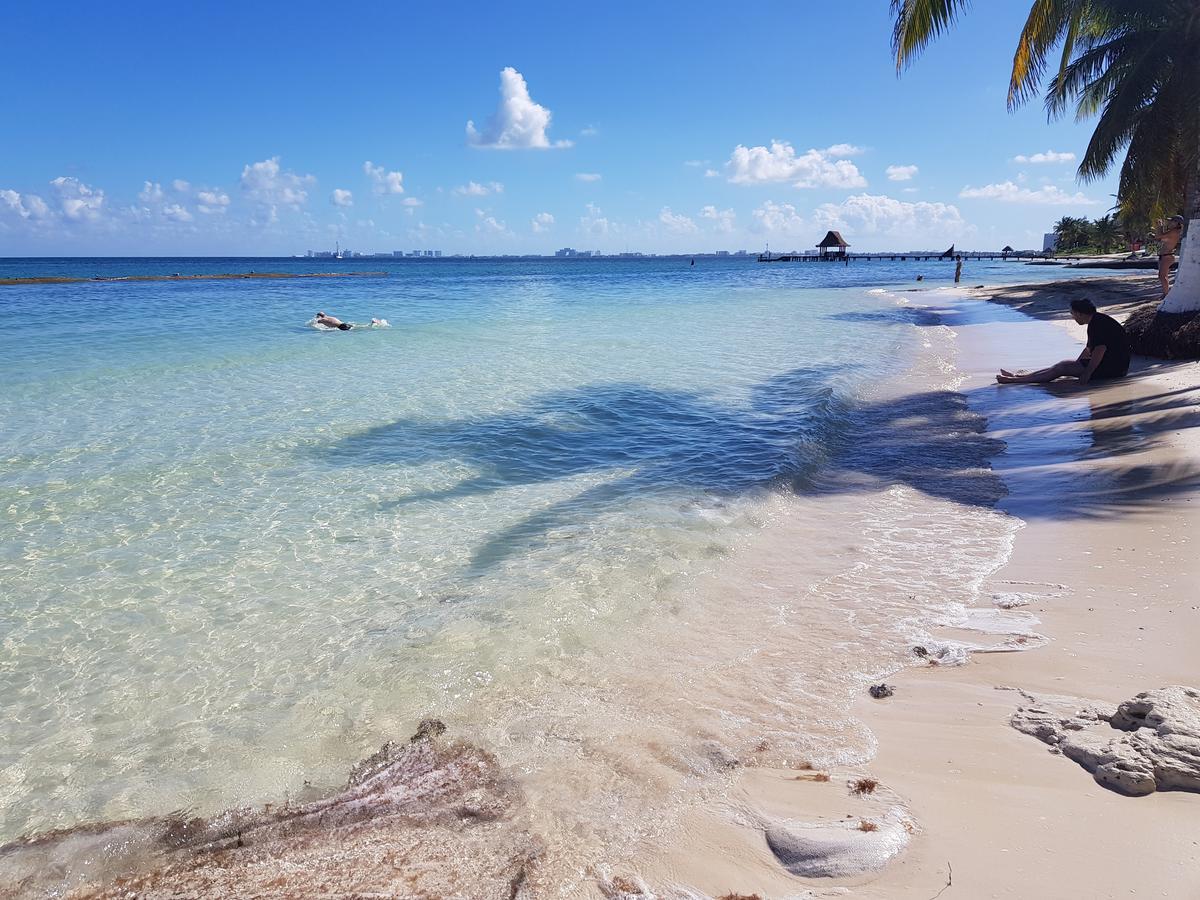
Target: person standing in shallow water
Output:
{"points": [[957, 269], [1105, 356]]}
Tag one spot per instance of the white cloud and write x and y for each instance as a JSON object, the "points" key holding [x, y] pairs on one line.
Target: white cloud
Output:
{"points": [[27, 206], [151, 192], [815, 168], [474, 189], [675, 222], [843, 150], [518, 124], [341, 197], [541, 222], [899, 220], [1050, 156], [595, 223], [383, 181], [711, 173], [901, 173], [212, 202], [1007, 192], [181, 186], [489, 225], [778, 218], [412, 202], [723, 219], [79, 202], [271, 187], [587, 176], [176, 213]]}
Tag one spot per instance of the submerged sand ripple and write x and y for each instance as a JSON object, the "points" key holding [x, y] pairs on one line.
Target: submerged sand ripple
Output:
{"points": [[1150, 743], [427, 818]]}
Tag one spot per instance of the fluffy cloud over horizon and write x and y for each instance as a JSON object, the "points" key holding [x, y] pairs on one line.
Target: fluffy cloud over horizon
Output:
{"points": [[676, 223], [595, 223], [518, 123], [541, 222], [1008, 192], [474, 189], [267, 185], [383, 182], [341, 197], [212, 202], [489, 225], [901, 173], [1050, 156], [25, 206], [778, 218], [723, 219], [79, 202], [880, 215], [779, 163]]}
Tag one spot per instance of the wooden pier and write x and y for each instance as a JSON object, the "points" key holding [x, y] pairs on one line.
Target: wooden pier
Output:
{"points": [[902, 257]]}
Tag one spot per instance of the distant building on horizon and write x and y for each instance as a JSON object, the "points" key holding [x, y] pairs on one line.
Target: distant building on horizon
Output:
{"points": [[566, 251]]}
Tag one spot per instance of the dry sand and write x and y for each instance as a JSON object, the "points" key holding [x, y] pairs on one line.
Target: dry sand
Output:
{"points": [[1109, 491]]}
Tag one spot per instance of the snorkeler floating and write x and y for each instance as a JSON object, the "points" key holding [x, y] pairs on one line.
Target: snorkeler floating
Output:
{"points": [[335, 324]]}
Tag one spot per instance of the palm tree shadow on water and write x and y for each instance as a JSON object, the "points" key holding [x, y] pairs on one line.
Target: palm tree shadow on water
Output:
{"points": [[797, 432]]}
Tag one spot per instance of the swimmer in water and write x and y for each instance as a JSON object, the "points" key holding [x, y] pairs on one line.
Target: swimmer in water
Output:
{"points": [[332, 322]]}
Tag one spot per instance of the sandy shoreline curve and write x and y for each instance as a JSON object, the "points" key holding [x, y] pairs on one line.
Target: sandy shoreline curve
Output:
{"points": [[1107, 483]]}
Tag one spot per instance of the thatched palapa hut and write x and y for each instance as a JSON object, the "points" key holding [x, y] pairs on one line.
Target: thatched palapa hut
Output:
{"points": [[833, 245]]}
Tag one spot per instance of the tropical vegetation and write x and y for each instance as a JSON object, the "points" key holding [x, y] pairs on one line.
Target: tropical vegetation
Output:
{"points": [[1134, 64], [1103, 235]]}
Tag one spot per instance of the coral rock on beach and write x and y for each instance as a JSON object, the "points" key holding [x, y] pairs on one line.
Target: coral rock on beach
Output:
{"points": [[1150, 743], [425, 818], [838, 849]]}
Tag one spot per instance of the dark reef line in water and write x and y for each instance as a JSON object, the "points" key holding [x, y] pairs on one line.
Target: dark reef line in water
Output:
{"points": [[64, 279]]}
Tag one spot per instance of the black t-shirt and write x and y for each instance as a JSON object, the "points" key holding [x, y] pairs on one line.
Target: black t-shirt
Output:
{"points": [[1105, 331]]}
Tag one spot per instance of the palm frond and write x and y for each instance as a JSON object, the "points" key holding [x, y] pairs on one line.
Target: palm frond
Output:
{"points": [[917, 22]]}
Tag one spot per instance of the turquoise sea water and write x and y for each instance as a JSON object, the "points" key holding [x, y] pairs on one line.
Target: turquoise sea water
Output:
{"points": [[239, 552]]}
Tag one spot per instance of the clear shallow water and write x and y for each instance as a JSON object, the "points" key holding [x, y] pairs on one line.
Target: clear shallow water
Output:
{"points": [[238, 553]]}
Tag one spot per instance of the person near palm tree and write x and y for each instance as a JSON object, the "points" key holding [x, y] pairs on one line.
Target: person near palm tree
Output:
{"points": [[1105, 356], [1168, 234]]}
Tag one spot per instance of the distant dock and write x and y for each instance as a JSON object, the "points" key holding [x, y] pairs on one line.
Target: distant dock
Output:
{"points": [[179, 277], [901, 257]]}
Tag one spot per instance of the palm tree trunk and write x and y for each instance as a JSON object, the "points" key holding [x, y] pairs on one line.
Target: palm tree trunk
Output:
{"points": [[1184, 296]]}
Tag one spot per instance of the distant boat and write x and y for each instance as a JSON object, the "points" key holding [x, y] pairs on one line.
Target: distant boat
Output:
{"points": [[337, 253], [949, 253]]}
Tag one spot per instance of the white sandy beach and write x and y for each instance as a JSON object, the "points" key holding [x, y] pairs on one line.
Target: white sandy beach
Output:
{"points": [[1107, 559]]}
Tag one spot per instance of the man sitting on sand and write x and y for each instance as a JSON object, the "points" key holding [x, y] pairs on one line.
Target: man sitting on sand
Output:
{"points": [[332, 322], [1105, 356]]}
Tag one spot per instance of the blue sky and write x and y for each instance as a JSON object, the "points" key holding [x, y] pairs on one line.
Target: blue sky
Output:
{"points": [[271, 128]]}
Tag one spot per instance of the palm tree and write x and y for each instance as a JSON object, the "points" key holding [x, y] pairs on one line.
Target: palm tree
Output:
{"points": [[1107, 232], [1134, 62], [1072, 232]]}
